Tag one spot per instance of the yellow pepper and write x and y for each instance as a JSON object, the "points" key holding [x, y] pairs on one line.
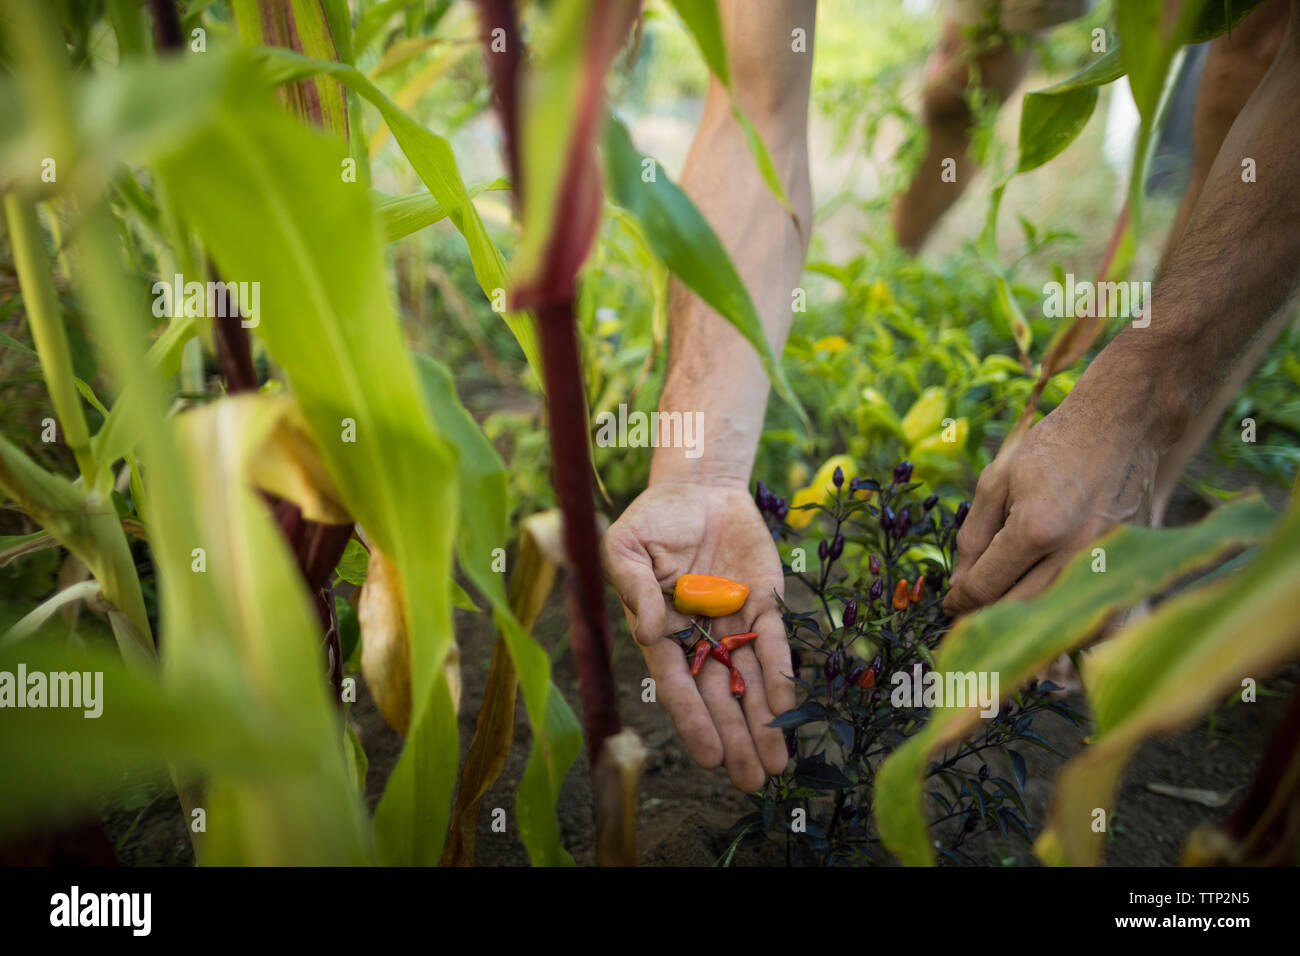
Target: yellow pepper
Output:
{"points": [[708, 595], [925, 415], [821, 489]]}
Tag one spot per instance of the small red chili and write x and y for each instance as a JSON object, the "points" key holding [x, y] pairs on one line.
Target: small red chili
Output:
{"points": [[737, 684], [867, 679], [733, 641], [720, 653], [918, 588], [900, 595], [699, 655]]}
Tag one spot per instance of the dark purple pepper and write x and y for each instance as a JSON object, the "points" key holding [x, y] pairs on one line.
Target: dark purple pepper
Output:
{"points": [[782, 508], [873, 564], [849, 811], [832, 666], [984, 772], [854, 674], [837, 547], [823, 549], [963, 510], [850, 613], [877, 589], [791, 744], [763, 498], [838, 477], [903, 471], [887, 517], [930, 502], [877, 664]]}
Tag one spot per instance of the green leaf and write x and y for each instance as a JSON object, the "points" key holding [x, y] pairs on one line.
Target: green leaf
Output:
{"points": [[1051, 122], [354, 563], [433, 161], [763, 159], [317, 254], [1014, 639], [67, 761], [1138, 23], [701, 19], [683, 240], [557, 738], [1166, 670], [404, 215]]}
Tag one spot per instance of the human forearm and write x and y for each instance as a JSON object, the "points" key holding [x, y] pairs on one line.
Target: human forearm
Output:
{"points": [[1235, 267], [712, 369]]}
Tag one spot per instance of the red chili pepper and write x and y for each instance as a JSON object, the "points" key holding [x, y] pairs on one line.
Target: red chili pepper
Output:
{"points": [[900, 595], [700, 655], [733, 641], [868, 679], [918, 588], [720, 653], [737, 684]]}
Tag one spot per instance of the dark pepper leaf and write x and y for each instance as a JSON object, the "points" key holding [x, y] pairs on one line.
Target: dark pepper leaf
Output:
{"points": [[805, 713], [1018, 765]]}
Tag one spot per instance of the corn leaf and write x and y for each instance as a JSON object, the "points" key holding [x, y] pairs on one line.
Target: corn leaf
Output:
{"points": [[1167, 670], [557, 738], [336, 335], [433, 161]]}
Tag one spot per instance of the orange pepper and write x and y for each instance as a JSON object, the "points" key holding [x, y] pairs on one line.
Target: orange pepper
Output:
{"points": [[708, 595], [900, 595], [917, 589]]}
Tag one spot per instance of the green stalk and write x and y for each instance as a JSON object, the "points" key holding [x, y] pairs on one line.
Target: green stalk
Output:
{"points": [[37, 282]]}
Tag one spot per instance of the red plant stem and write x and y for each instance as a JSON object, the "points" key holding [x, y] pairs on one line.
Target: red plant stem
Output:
{"points": [[503, 67], [571, 470], [1273, 773], [1112, 247], [166, 25]]}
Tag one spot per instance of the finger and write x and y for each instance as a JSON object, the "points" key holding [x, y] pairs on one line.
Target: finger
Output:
{"points": [[983, 521], [1039, 578], [631, 572], [1011, 553], [773, 650], [676, 687], [743, 766], [769, 742]]}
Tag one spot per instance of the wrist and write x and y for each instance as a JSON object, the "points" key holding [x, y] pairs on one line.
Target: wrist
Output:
{"points": [[1133, 392]]}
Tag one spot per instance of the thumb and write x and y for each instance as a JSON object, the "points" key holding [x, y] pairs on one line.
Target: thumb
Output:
{"points": [[632, 575]]}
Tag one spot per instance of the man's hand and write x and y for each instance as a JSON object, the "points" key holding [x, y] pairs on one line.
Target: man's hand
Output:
{"points": [[1075, 475], [673, 529]]}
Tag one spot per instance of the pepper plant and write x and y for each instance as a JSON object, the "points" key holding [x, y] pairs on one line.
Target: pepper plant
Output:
{"points": [[884, 554]]}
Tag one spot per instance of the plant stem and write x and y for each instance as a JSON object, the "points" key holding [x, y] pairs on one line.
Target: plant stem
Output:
{"points": [[37, 282]]}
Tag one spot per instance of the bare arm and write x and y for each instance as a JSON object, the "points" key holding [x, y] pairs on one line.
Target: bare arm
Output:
{"points": [[711, 368], [697, 516], [1091, 463]]}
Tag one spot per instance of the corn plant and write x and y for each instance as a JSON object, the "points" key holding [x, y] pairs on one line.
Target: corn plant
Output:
{"points": [[233, 150]]}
